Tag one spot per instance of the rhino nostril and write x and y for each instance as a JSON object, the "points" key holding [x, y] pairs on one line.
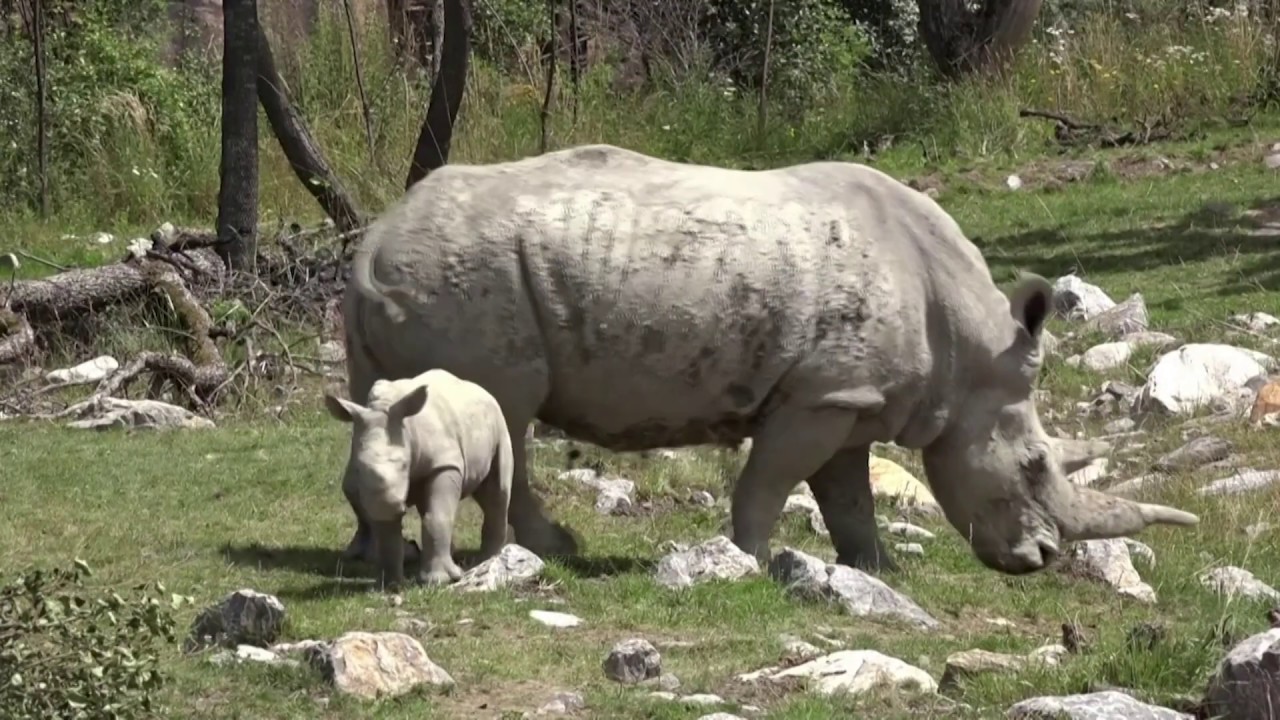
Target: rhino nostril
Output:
{"points": [[1048, 552]]}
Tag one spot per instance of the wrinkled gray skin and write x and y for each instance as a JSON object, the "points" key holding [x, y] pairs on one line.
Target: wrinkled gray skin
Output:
{"points": [[638, 303], [428, 442]]}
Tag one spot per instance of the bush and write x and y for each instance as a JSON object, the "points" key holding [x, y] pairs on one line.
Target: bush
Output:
{"points": [[68, 651], [816, 48]]}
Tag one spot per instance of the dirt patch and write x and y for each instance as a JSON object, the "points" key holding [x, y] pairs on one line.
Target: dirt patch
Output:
{"points": [[495, 699]]}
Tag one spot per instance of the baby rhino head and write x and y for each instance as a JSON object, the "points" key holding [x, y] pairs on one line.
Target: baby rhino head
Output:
{"points": [[378, 465]]}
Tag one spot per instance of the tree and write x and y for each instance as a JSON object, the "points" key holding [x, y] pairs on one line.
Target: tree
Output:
{"points": [[238, 173], [964, 41], [432, 149]]}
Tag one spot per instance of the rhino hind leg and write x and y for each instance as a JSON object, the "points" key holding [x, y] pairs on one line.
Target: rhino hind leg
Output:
{"points": [[793, 444], [533, 529], [842, 488]]}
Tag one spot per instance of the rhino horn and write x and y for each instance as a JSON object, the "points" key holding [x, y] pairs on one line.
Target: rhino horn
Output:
{"points": [[1095, 515]]}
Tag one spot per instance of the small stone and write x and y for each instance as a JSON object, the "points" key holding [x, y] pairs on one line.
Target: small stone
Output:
{"points": [[703, 499], [1199, 451], [702, 699], [412, 626], [724, 715], [555, 619], [1013, 182], [1256, 530], [797, 648], [1119, 425], [668, 682], [1258, 322], [1050, 655], [1272, 161], [632, 661], [1108, 561], [663, 695], [372, 665]]}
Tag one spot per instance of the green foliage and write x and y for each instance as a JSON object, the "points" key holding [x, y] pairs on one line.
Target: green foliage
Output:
{"points": [[815, 49], [502, 30], [70, 651]]}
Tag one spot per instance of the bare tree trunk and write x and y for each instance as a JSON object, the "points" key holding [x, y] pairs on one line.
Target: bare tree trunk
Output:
{"points": [[962, 41], [364, 97], [238, 190], [434, 140], [552, 60], [42, 146], [304, 155], [437, 36], [762, 117], [576, 54]]}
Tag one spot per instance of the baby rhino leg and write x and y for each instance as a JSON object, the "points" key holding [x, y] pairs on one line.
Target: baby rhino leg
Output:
{"points": [[494, 498], [443, 492]]}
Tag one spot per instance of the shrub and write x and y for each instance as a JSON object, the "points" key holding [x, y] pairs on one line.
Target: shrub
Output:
{"points": [[69, 651]]}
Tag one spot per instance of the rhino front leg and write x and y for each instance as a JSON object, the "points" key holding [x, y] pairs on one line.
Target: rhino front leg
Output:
{"points": [[842, 488], [390, 549], [533, 529], [792, 445], [443, 494]]}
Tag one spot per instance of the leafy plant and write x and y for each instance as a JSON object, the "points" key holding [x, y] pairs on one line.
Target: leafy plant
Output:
{"points": [[71, 651]]}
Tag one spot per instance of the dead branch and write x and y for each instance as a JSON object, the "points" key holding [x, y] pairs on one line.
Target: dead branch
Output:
{"points": [[17, 339], [436, 136], [299, 147], [364, 98], [1070, 132]]}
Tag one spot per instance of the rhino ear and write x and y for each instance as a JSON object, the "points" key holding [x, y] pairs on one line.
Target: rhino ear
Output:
{"points": [[341, 409], [1031, 303], [410, 404]]}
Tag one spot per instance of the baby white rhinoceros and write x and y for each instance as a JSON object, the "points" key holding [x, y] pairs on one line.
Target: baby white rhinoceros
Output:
{"points": [[427, 441]]}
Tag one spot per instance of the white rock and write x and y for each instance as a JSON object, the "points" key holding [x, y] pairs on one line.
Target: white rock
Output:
{"points": [[1247, 681], [703, 499], [1105, 356], [702, 699], [1013, 182], [102, 238], [1258, 322], [854, 672], [715, 559], [1232, 581], [555, 619], [910, 549], [1108, 705], [909, 531], [1242, 481], [1049, 654], [251, 653], [1200, 374], [513, 566], [138, 248], [1079, 300], [90, 371], [378, 664], [562, 703], [1108, 561]]}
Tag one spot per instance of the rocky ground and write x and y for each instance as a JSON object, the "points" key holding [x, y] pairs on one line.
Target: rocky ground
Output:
{"points": [[1165, 348]]}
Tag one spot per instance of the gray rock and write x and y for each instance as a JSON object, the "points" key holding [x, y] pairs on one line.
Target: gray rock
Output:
{"points": [[562, 703], [860, 594], [1108, 561], [1076, 299], [1138, 549], [243, 617], [251, 653], [1247, 682], [1119, 425], [795, 647], [702, 699], [968, 663], [1233, 581], [373, 665], [1258, 322], [1108, 705], [513, 566], [108, 412], [632, 661], [1126, 318], [1199, 451], [910, 549], [715, 559], [1243, 481], [703, 498]]}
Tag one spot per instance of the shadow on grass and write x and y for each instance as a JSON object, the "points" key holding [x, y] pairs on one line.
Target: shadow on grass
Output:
{"points": [[328, 562], [1251, 234]]}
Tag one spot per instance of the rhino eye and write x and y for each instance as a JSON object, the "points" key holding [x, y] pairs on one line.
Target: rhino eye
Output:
{"points": [[1035, 467]]}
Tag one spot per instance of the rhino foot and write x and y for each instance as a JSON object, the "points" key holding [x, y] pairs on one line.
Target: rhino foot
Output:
{"points": [[873, 563]]}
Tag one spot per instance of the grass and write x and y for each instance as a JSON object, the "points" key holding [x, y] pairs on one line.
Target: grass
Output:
{"points": [[254, 503]]}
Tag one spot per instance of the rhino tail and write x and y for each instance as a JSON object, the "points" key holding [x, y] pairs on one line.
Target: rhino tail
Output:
{"points": [[388, 297]]}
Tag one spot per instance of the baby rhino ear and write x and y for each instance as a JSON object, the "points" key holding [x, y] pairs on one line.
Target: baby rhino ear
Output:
{"points": [[409, 405], [1030, 304], [341, 409]]}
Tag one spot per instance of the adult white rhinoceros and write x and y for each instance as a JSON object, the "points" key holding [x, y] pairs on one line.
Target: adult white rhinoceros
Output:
{"points": [[640, 303]]}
